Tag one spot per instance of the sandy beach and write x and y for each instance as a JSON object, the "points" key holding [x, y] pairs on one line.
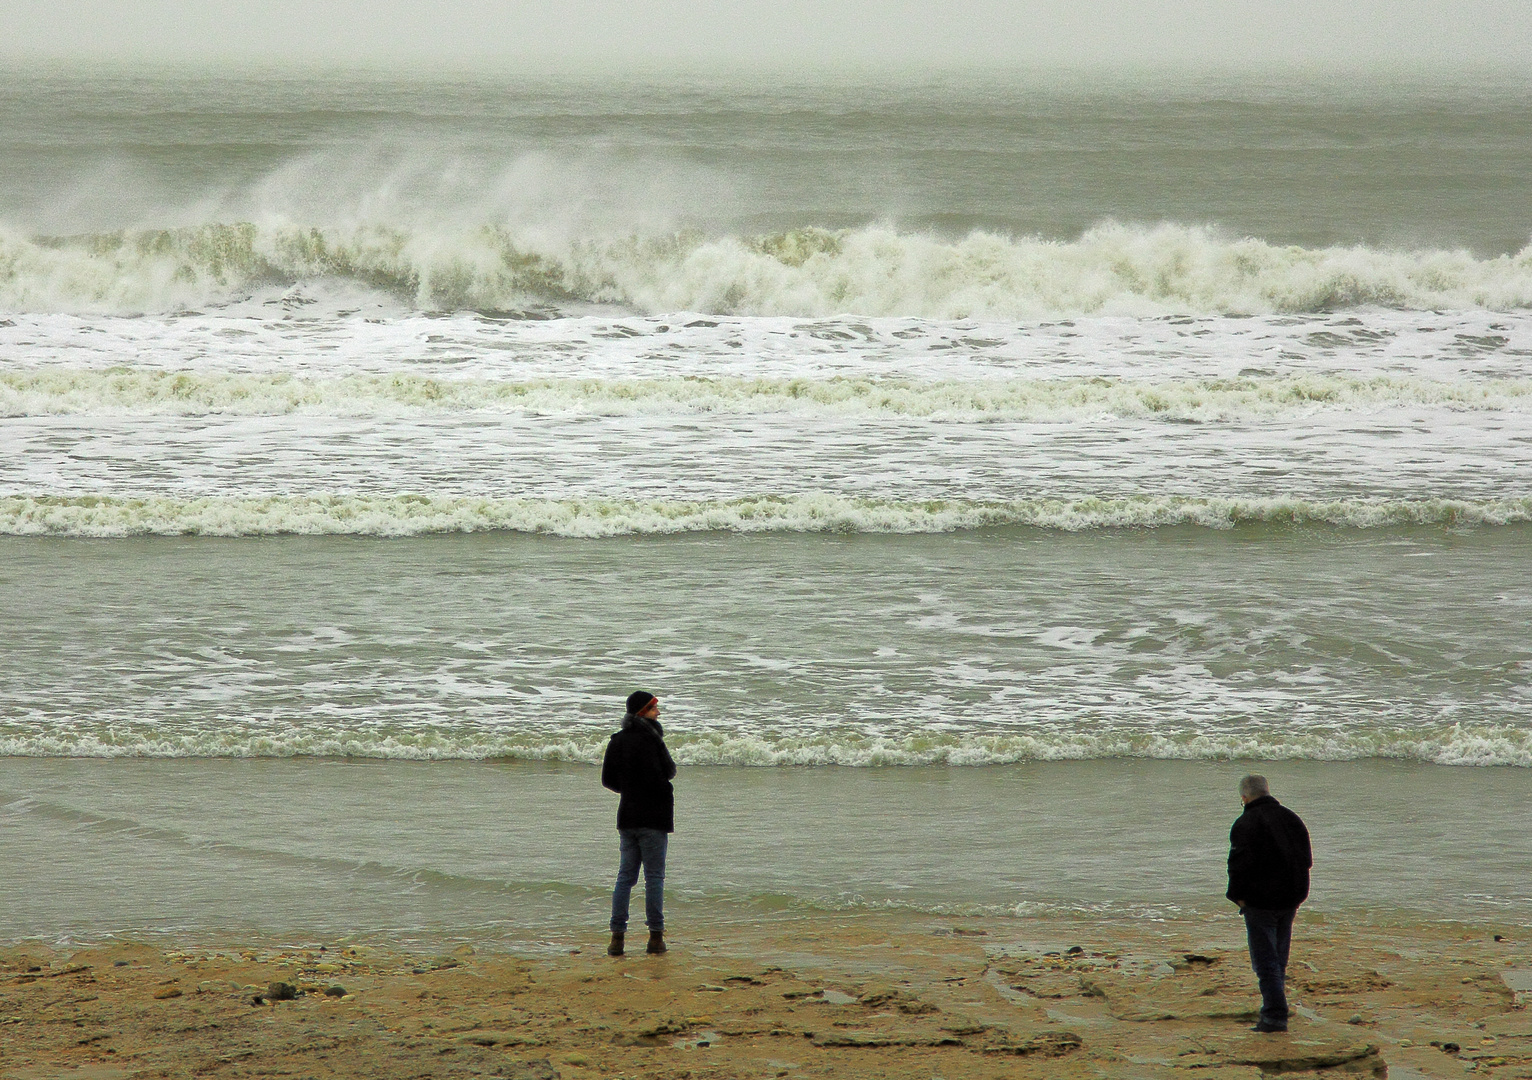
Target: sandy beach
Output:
{"points": [[870, 995]]}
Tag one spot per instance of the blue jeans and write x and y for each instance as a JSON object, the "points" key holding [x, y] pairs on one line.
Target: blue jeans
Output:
{"points": [[1270, 934], [644, 847]]}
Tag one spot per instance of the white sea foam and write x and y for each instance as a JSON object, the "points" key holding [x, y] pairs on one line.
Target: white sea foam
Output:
{"points": [[416, 515], [310, 332], [68, 391], [874, 271], [1457, 744]]}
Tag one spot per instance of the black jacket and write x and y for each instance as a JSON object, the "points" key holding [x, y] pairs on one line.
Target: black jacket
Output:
{"points": [[638, 766], [1269, 856]]}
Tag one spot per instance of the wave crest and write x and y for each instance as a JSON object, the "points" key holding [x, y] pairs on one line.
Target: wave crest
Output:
{"points": [[1113, 269], [1456, 744], [63, 391], [418, 515]]}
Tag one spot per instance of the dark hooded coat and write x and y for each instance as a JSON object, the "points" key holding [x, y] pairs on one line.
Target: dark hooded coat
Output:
{"points": [[1269, 856], [639, 767]]}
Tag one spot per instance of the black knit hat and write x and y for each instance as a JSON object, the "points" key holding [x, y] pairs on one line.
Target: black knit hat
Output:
{"points": [[639, 700]]}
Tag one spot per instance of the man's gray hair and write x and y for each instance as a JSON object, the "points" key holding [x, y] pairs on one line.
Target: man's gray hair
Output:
{"points": [[1254, 786]]}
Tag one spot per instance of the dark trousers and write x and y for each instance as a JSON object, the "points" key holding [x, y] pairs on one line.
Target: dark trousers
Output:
{"points": [[646, 848], [1270, 934]]}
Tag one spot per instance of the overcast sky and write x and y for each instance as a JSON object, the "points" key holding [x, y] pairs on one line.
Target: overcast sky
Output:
{"points": [[1203, 33]]}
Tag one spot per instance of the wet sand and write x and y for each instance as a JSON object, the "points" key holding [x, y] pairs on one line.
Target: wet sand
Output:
{"points": [[869, 995]]}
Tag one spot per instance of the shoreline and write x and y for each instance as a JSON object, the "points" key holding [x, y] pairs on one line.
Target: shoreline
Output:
{"points": [[479, 852], [844, 995]]}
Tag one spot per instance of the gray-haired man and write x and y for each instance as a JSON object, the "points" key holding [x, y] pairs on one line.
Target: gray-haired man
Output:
{"points": [[1269, 861]]}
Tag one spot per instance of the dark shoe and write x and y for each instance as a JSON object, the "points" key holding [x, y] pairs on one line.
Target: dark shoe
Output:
{"points": [[1265, 1028], [656, 942], [615, 948]]}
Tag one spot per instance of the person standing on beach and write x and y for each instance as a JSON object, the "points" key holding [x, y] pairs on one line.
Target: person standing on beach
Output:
{"points": [[1269, 862], [638, 766]]}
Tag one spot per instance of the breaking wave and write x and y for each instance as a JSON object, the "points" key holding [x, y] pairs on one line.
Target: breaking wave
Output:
{"points": [[1457, 744], [874, 271], [418, 515], [57, 391]]}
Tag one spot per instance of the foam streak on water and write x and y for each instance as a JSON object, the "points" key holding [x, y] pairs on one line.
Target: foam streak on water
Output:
{"points": [[779, 649], [392, 424]]}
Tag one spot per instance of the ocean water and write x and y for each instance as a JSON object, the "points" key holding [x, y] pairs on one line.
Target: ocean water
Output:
{"points": [[520, 854], [955, 457]]}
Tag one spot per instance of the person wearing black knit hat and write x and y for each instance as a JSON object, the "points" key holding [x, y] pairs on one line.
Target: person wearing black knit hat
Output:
{"points": [[638, 766]]}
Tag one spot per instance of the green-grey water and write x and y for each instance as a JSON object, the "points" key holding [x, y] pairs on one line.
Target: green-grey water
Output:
{"points": [[987, 468], [521, 853], [1289, 160]]}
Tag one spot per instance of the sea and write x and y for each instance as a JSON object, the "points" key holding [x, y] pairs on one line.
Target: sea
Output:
{"points": [[985, 469]]}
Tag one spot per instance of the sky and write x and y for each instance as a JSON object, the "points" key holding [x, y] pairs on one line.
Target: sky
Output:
{"points": [[1215, 34]]}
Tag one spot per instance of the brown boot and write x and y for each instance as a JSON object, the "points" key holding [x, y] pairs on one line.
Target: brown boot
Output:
{"points": [[656, 942], [615, 948]]}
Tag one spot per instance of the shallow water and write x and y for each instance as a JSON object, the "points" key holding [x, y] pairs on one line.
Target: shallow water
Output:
{"points": [[985, 646], [521, 852]]}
